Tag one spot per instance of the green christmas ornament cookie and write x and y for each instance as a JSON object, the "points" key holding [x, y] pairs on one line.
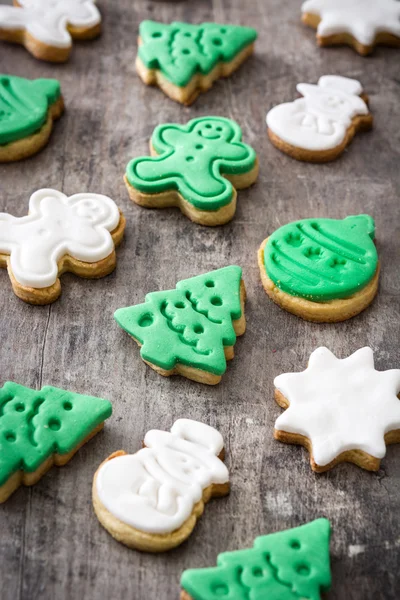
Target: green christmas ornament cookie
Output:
{"points": [[184, 60], [288, 565], [27, 112], [323, 270], [191, 330], [42, 428], [197, 167]]}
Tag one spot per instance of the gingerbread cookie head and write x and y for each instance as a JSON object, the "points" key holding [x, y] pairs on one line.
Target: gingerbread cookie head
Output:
{"points": [[151, 500], [321, 124], [78, 234], [361, 24], [341, 410], [46, 27]]}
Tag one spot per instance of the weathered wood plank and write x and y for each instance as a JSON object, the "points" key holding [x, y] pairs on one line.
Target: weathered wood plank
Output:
{"points": [[51, 544]]}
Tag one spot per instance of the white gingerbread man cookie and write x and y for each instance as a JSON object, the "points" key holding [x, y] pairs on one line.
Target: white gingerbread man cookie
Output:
{"points": [[151, 500], [46, 27], [318, 126], [341, 410], [361, 24], [59, 234]]}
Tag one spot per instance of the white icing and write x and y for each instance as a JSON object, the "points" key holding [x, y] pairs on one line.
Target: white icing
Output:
{"points": [[48, 20], [363, 19], [341, 404], [57, 225], [320, 119], [156, 489]]}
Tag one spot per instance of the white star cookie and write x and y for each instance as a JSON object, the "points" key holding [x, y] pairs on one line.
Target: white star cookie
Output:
{"points": [[361, 24], [46, 27], [59, 234], [341, 410]]}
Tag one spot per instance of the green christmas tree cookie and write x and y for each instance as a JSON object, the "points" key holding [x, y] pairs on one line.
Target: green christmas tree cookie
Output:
{"points": [[27, 111], [322, 269], [184, 60], [41, 428], [190, 330], [196, 167], [288, 565]]}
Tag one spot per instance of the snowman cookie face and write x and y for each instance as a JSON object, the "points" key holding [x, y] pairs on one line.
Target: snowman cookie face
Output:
{"points": [[47, 27], [77, 234], [319, 126]]}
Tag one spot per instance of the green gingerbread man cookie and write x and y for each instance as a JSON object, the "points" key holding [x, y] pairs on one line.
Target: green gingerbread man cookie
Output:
{"points": [[197, 167], [184, 60], [27, 111], [287, 565]]}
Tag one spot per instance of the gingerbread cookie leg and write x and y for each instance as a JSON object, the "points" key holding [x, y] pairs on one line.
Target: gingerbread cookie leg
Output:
{"points": [[340, 410], [197, 167], [42, 428], [190, 331], [152, 500], [76, 234]]}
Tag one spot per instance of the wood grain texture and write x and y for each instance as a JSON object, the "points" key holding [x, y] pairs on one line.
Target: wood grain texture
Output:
{"points": [[51, 544]]}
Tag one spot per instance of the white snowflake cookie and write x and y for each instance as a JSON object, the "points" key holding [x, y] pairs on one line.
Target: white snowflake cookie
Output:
{"points": [[47, 27], [341, 410], [152, 499], [319, 126], [361, 24], [76, 234]]}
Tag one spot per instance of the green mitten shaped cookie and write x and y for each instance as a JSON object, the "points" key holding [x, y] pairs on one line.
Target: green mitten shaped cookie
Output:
{"points": [[288, 565], [42, 428], [191, 330], [197, 167], [27, 112], [184, 60]]}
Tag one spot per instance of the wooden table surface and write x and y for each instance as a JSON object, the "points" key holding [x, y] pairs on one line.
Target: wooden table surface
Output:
{"points": [[51, 544]]}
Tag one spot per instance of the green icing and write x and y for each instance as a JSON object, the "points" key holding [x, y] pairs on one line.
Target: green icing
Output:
{"points": [[36, 424], [288, 565], [24, 106], [180, 50], [189, 325], [322, 259], [191, 159]]}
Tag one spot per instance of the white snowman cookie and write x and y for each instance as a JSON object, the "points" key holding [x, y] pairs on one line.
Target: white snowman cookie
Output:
{"points": [[319, 126], [76, 234], [47, 27], [152, 499], [341, 410]]}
